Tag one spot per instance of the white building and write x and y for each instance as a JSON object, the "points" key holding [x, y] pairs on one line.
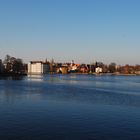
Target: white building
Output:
{"points": [[38, 67], [98, 70]]}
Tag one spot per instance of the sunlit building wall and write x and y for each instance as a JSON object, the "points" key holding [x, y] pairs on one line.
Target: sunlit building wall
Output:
{"points": [[38, 67]]}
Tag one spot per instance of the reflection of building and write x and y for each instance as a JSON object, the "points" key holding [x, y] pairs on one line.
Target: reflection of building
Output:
{"points": [[38, 67]]}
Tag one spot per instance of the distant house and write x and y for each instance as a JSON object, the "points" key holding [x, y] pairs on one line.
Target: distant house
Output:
{"points": [[84, 68], [98, 70], [64, 70], [38, 67], [73, 68], [137, 72]]}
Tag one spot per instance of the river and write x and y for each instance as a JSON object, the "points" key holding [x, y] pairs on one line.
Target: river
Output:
{"points": [[70, 107]]}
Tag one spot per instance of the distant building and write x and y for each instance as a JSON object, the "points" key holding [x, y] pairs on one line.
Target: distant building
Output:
{"points": [[84, 68], [73, 68], [38, 67], [98, 70], [137, 72], [64, 70]]}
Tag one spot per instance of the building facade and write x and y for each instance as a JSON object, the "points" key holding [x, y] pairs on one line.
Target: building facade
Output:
{"points": [[98, 70], [38, 67]]}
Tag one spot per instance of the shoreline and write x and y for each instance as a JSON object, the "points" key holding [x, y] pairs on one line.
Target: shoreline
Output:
{"points": [[99, 74], [94, 74], [12, 74]]}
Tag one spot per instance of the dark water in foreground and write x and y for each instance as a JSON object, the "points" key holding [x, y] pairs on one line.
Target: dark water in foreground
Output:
{"points": [[70, 107]]}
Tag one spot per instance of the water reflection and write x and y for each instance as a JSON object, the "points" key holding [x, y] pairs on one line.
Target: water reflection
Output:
{"points": [[12, 77], [36, 77], [72, 88], [70, 107]]}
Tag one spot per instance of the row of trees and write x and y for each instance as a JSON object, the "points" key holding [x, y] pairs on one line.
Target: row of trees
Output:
{"points": [[13, 65]]}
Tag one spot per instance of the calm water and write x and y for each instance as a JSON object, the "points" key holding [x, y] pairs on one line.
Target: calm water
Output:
{"points": [[70, 107]]}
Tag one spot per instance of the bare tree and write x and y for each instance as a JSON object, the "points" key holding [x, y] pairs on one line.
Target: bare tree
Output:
{"points": [[13, 65]]}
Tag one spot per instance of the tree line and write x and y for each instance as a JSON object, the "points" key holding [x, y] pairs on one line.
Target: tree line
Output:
{"points": [[12, 65]]}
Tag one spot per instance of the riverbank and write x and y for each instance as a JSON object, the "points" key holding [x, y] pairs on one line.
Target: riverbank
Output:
{"points": [[12, 74], [78, 73]]}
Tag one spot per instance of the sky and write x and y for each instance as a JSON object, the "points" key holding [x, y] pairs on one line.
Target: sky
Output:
{"points": [[81, 30]]}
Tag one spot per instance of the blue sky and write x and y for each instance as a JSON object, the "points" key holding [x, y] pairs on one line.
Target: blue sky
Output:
{"points": [[80, 30]]}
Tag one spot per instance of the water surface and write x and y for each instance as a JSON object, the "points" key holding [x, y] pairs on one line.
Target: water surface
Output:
{"points": [[70, 107]]}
